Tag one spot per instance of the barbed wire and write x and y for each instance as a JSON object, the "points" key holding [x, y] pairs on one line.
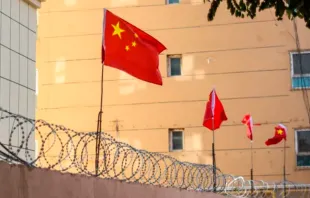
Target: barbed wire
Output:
{"points": [[37, 143]]}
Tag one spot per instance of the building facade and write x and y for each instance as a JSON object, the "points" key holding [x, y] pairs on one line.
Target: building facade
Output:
{"points": [[252, 64], [18, 26]]}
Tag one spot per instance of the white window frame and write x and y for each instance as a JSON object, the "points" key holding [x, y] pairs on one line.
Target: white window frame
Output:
{"points": [[292, 69], [292, 63], [296, 147], [169, 56], [171, 139]]}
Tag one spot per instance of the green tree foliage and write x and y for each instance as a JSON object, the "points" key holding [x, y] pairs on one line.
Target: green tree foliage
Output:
{"points": [[249, 8]]}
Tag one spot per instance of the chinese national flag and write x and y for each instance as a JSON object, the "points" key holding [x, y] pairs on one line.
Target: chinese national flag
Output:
{"points": [[280, 134], [248, 121], [215, 113], [127, 48]]}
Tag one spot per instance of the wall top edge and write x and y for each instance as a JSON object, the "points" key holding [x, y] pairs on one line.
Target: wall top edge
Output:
{"points": [[35, 3]]}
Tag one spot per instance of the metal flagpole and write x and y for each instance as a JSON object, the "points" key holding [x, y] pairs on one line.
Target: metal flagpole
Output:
{"points": [[252, 179], [99, 129], [99, 121], [213, 157], [284, 173]]}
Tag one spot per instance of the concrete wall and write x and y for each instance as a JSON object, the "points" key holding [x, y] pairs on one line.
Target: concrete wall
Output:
{"points": [[246, 60], [21, 182], [18, 26]]}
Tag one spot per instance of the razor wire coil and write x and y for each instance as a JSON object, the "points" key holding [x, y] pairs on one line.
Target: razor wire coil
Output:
{"points": [[66, 150]]}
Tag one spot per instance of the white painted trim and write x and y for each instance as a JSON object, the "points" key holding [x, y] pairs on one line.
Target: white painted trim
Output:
{"points": [[35, 3], [168, 66], [302, 52], [38, 17], [296, 143], [37, 82]]}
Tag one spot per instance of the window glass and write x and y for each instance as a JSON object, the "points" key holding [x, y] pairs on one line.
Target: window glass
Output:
{"points": [[177, 140], [173, 1], [303, 138], [175, 66], [299, 60]]}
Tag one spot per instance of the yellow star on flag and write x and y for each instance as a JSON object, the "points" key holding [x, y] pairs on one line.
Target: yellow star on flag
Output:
{"points": [[117, 30], [127, 47], [134, 44]]}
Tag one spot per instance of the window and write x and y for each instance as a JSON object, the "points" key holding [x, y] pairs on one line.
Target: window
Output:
{"points": [[176, 139], [173, 1], [174, 65], [300, 69], [302, 144]]}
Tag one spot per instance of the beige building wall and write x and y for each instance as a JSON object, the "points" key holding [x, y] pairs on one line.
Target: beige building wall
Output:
{"points": [[246, 60]]}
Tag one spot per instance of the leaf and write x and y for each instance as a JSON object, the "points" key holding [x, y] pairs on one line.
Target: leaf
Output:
{"points": [[289, 14], [248, 8], [242, 5], [280, 8]]}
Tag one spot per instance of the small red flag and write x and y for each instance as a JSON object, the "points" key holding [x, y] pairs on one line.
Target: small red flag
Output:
{"points": [[248, 121], [280, 133], [127, 48], [215, 113]]}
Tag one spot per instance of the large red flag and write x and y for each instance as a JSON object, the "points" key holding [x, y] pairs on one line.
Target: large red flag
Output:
{"points": [[215, 113], [280, 134], [248, 121], [127, 48]]}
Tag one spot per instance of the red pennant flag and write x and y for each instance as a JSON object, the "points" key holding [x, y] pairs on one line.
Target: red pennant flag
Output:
{"points": [[280, 134], [215, 113], [248, 121], [127, 48]]}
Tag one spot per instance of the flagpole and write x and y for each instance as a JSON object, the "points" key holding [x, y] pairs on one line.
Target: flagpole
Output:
{"points": [[252, 179], [284, 172], [99, 122], [213, 157]]}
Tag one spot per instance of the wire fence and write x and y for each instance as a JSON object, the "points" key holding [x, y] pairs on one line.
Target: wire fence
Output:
{"points": [[36, 143]]}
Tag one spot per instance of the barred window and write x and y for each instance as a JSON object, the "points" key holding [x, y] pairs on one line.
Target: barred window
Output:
{"points": [[303, 147], [176, 139], [300, 69], [174, 65]]}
